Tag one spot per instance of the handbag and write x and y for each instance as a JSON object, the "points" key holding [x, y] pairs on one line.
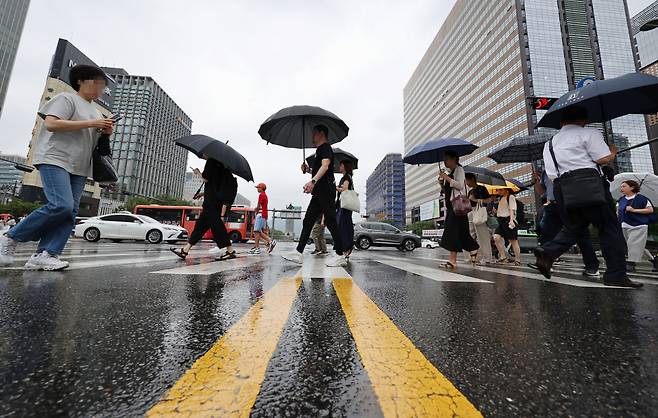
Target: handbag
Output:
{"points": [[349, 200], [461, 205], [480, 215], [579, 188], [103, 169]]}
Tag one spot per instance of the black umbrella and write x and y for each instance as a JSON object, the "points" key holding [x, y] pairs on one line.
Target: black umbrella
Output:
{"points": [[633, 93], [524, 149], [218, 151], [485, 176], [433, 150], [339, 155], [292, 127]]}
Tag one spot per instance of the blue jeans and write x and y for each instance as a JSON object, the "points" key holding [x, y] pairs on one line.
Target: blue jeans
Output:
{"points": [[52, 223]]}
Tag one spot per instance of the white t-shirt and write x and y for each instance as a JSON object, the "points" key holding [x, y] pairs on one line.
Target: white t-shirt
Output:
{"points": [[627, 226], [575, 147], [504, 208]]}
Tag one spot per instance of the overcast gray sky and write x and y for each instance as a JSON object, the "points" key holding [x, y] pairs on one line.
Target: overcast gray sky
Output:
{"points": [[230, 64]]}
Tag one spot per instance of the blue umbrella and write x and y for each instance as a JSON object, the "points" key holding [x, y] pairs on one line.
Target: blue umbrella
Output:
{"points": [[433, 151], [633, 93]]}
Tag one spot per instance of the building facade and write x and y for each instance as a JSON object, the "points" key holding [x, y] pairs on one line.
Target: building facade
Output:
{"points": [[385, 191], [12, 20], [645, 32], [66, 56], [192, 184], [9, 175], [148, 161], [489, 63]]}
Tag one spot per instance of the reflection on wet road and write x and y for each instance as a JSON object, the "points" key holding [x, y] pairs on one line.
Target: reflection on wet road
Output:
{"points": [[131, 331]]}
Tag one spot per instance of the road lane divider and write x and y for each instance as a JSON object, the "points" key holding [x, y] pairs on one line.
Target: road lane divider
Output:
{"points": [[226, 380], [405, 382]]}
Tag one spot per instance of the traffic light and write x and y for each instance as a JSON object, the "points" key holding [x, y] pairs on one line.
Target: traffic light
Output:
{"points": [[543, 103]]}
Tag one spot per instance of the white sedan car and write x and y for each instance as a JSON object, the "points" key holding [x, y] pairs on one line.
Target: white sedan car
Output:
{"points": [[120, 226], [427, 243]]}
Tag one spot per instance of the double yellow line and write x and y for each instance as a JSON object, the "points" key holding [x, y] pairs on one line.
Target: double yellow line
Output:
{"points": [[226, 380]]}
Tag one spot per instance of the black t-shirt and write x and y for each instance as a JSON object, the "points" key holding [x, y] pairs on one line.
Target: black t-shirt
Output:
{"points": [[350, 186], [212, 172], [327, 183]]}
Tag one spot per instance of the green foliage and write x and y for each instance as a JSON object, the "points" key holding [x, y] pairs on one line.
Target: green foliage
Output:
{"points": [[18, 208], [417, 227]]}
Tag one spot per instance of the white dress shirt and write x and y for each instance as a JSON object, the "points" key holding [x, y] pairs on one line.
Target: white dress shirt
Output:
{"points": [[575, 147]]}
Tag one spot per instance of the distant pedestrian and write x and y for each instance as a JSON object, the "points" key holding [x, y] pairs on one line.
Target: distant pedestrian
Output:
{"points": [[508, 228], [552, 224], [344, 216], [576, 147], [635, 213], [480, 198], [317, 235], [323, 201], [260, 225], [62, 153], [11, 222], [219, 194], [456, 235]]}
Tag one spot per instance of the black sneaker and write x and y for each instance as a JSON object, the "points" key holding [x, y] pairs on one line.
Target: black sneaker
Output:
{"points": [[226, 256], [544, 262], [624, 283], [591, 273]]}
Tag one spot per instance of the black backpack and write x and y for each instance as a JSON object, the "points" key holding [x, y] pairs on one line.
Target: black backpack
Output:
{"points": [[227, 189]]}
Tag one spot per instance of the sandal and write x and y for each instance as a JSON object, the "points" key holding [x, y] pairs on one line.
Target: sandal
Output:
{"points": [[226, 256], [503, 261], [515, 262], [474, 257], [179, 252], [449, 266]]}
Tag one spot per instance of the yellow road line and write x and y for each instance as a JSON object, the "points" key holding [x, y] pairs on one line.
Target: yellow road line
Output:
{"points": [[405, 382], [226, 380]]}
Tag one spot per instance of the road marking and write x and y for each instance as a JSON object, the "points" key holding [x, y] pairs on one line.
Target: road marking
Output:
{"points": [[430, 273], [213, 267], [637, 276], [111, 262], [316, 268], [405, 382], [226, 380]]}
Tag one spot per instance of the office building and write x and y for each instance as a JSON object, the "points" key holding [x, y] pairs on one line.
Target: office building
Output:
{"points": [[385, 191], [192, 184], [12, 19], [148, 161], [66, 56], [483, 75], [10, 176], [645, 32]]}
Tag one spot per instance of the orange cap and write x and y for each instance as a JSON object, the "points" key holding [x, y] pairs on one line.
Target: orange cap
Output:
{"points": [[261, 186]]}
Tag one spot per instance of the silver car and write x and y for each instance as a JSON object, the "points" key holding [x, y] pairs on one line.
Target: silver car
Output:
{"points": [[379, 234]]}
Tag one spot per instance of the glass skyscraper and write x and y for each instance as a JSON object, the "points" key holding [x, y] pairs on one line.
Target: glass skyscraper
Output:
{"points": [[491, 59], [148, 161], [385, 197], [12, 19]]}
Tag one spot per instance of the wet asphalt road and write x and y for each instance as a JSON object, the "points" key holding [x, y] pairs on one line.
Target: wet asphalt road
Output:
{"points": [[114, 334]]}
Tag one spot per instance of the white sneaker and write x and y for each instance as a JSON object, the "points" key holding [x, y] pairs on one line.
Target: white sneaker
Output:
{"points": [[295, 257], [46, 262], [255, 251], [337, 261], [7, 250], [214, 251]]}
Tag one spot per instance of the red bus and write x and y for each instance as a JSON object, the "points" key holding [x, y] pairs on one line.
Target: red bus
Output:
{"points": [[239, 221]]}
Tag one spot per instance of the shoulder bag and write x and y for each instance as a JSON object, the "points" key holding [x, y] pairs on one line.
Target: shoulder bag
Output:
{"points": [[580, 188], [103, 169], [349, 200], [461, 205], [480, 215]]}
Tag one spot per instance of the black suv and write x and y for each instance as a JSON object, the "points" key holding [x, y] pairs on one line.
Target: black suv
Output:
{"points": [[379, 234]]}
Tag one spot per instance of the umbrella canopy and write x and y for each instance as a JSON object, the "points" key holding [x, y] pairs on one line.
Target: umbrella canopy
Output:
{"points": [[218, 151], [519, 184], [499, 189], [433, 151], [633, 93], [524, 149], [339, 155], [292, 127], [485, 176], [648, 185]]}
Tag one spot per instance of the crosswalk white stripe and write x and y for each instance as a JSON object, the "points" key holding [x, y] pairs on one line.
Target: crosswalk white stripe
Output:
{"points": [[637, 276], [139, 261], [316, 268], [430, 273], [213, 267]]}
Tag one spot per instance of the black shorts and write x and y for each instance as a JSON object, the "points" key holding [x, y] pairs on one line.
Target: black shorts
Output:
{"points": [[504, 230]]}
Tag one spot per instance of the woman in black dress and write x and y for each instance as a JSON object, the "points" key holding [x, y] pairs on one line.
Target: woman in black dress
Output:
{"points": [[344, 216], [456, 235]]}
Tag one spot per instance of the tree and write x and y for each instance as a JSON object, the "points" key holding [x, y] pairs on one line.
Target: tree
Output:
{"points": [[18, 207], [418, 227]]}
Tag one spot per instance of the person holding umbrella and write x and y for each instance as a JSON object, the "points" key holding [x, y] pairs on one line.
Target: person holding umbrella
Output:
{"points": [[456, 235], [322, 188], [635, 214], [574, 154]]}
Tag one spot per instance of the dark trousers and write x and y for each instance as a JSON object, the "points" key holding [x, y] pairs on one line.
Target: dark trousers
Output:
{"points": [[552, 224], [210, 218], [321, 204], [346, 227], [604, 219]]}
